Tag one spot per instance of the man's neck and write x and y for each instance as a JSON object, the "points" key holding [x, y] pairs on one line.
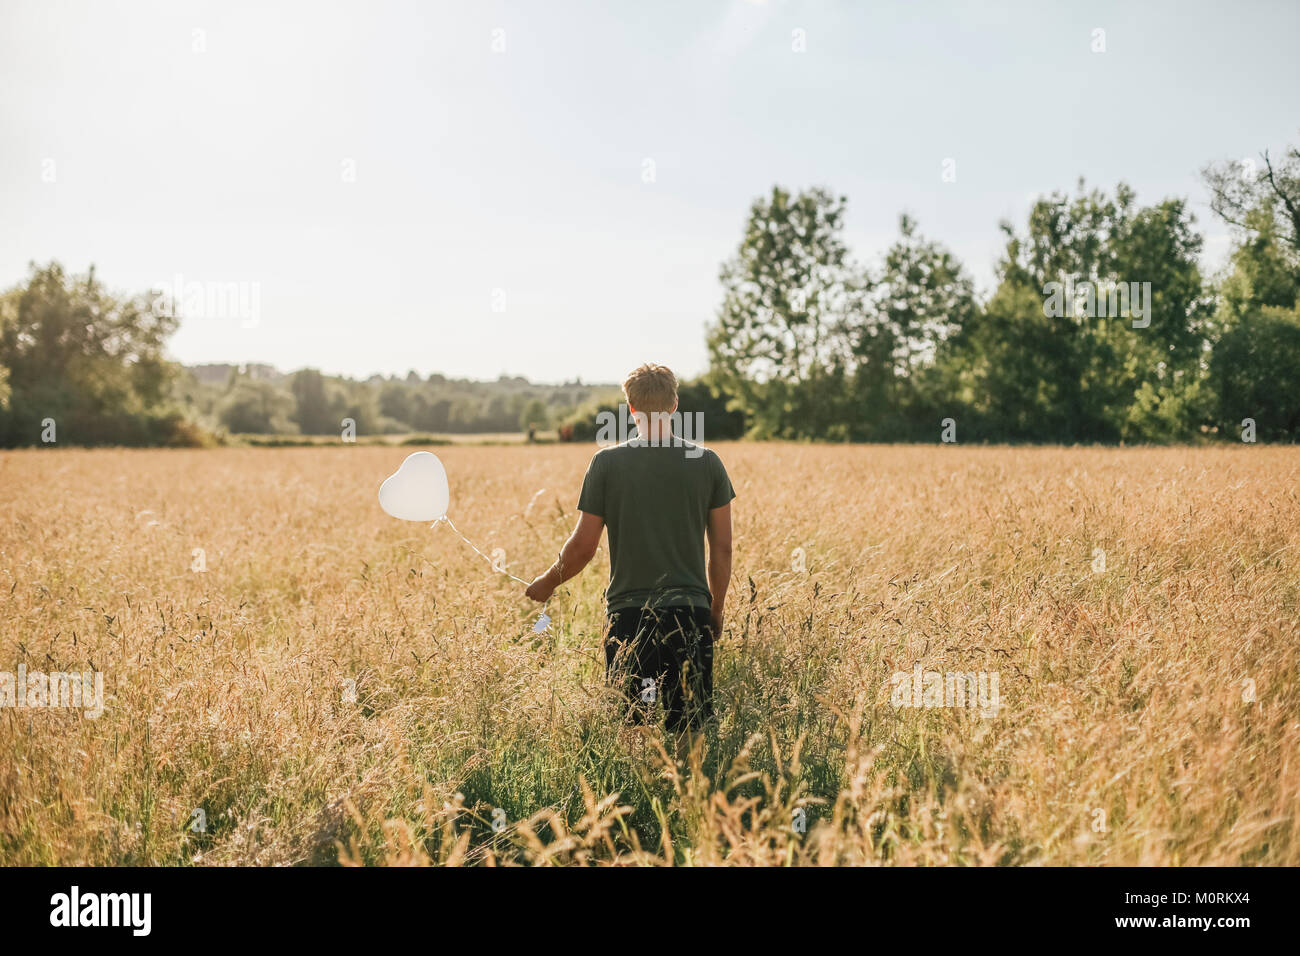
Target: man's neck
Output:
{"points": [[656, 429]]}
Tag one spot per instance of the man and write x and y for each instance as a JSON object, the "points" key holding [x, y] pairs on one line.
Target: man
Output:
{"points": [[661, 497]]}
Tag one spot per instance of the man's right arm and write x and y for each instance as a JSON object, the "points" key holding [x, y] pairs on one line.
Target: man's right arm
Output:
{"points": [[576, 555], [719, 535]]}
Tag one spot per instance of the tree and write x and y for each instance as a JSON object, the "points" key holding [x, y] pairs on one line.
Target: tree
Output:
{"points": [[1240, 190], [88, 359], [257, 408], [8, 317], [1255, 363], [534, 415], [921, 298], [314, 411], [1032, 372], [781, 340], [1255, 374], [357, 401], [1263, 206], [722, 419], [395, 402]]}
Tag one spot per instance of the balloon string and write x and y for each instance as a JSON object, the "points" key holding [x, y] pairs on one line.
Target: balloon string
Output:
{"points": [[478, 552]]}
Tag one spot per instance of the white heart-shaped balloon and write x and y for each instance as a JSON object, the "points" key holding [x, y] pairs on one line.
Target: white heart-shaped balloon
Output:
{"points": [[418, 490]]}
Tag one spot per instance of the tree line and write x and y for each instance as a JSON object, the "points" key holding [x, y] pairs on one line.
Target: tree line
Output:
{"points": [[80, 364], [1100, 327], [262, 401]]}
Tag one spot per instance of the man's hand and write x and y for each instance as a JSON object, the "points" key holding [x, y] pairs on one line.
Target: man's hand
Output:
{"points": [[715, 620], [543, 586]]}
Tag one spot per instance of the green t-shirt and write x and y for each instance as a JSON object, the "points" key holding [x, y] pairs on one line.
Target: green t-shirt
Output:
{"points": [[655, 501]]}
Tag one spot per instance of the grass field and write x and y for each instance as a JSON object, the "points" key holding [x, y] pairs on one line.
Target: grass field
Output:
{"points": [[1138, 607]]}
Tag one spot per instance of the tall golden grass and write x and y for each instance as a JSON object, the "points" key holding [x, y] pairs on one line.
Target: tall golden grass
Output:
{"points": [[1150, 711]]}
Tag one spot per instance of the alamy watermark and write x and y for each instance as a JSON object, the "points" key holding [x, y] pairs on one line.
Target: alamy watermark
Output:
{"points": [[38, 689], [241, 301], [977, 690], [1098, 300], [663, 428], [130, 910]]}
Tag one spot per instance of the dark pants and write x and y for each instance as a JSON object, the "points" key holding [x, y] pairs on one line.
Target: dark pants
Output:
{"points": [[662, 658]]}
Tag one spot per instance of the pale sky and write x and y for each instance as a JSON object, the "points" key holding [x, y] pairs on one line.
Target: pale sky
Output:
{"points": [[497, 219]]}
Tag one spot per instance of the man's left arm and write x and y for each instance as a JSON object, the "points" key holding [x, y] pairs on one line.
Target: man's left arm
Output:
{"points": [[718, 531], [719, 535]]}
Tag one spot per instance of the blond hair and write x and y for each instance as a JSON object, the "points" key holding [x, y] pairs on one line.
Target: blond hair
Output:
{"points": [[651, 388]]}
